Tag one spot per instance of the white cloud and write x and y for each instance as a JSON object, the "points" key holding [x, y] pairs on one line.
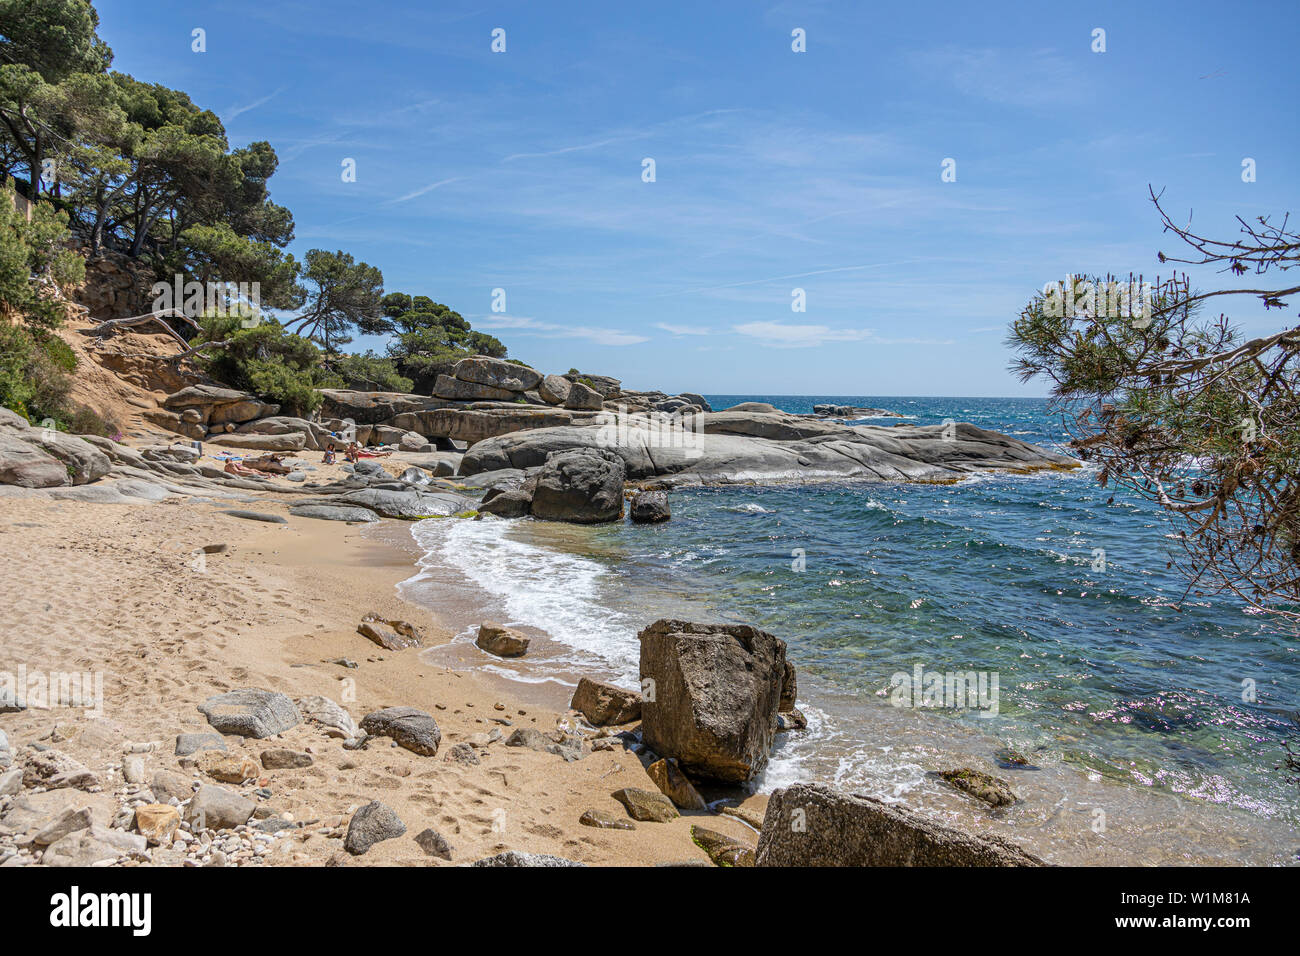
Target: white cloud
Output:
{"points": [[787, 336], [524, 325], [683, 329]]}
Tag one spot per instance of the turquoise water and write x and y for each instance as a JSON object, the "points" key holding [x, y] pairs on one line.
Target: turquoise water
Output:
{"points": [[1100, 676]]}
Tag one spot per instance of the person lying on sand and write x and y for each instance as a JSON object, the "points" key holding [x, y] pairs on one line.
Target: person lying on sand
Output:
{"points": [[356, 452], [233, 467]]}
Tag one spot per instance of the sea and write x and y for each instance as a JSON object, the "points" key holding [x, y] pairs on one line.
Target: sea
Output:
{"points": [[1029, 626]]}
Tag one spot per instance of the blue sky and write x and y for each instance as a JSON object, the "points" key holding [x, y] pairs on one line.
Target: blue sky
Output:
{"points": [[774, 170]]}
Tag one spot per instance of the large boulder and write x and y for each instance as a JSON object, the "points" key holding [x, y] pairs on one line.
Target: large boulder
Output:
{"points": [[218, 406], [584, 487], [26, 465], [372, 408], [251, 713], [554, 389], [457, 390], [82, 461], [583, 398], [497, 373], [315, 436], [480, 421], [713, 697], [813, 825], [603, 384], [288, 441]]}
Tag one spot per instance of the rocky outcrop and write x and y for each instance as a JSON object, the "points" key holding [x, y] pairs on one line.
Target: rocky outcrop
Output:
{"points": [[554, 389], [741, 447], [713, 698], [850, 411], [497, 373], [44, 457], [217, 405], [813, 825], [581, 398]]}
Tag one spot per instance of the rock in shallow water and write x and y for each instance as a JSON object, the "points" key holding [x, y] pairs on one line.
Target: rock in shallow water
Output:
{"points": [[501, 641], [982, 786], [812, 825], [650, 507]]}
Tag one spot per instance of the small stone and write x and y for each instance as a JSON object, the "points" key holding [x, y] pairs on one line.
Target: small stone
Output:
{"points": [[645, 805], [285, 759], [133, 770], [187, 744], [157, 822], [228, 768], [69, 821], [464, 754], [605, 821], [434, 843]]}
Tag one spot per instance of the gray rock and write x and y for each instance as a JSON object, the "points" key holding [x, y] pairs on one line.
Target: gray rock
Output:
{"points": [[410, 504], [650, 507], [69, 821], [333, 513], [256, 516], [289, 441], [216, 808], [168, 786], [716, 690], [584, 487], [187, 744], [83, 462], [11, 782], [516, 858], [329, 716], [498, 373], [562, 745], [583, 398], [456, 390], [514, 503], [812, 825], [554, 389], [413, 729], [27, 466], [373, 823], [463, 754], [251, 713], [6, 755], [434, 843]]}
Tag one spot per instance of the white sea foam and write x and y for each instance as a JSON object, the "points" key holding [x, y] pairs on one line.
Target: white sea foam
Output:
{"points": [[566, 595]]}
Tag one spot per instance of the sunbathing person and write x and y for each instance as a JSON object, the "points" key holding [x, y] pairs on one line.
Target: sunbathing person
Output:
{"points": [[233, 467], [329, 455]]}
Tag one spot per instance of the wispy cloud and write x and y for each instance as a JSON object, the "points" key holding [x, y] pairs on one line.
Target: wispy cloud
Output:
{"points": [[414, 194], [683, 329], [789, 336], [523, 325], [235, 111]]}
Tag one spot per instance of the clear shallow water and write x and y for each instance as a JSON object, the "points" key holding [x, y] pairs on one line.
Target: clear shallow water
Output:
{"points": [[1126, 704]]}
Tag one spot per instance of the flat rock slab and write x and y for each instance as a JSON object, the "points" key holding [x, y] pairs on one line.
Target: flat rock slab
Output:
{"points": [[409, 727], [251, 713], [256, 516], [333, 512], [187, 744]]}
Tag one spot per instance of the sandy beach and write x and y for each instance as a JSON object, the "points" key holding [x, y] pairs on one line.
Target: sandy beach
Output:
{"points": [[116, 589]]}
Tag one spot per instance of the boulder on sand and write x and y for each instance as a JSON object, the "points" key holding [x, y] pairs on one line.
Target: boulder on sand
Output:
{"points": [[581, 486], [251, 713], [604, 704], [27, 466], [373, 823], [411, 728], [813, 825], [713, 696]]}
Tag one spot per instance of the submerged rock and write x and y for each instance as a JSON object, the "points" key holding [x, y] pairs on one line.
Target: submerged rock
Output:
{"points": [[813, 825], [982, 786], [650, 507]]}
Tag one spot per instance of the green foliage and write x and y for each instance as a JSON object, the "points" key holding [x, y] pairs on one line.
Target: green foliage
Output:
{"points": [[370, 373], [35, 265], [55, 37], [430, 338], [265, 360], [344, 294]]}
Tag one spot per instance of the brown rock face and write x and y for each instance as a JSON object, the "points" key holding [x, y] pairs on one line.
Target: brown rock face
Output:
{"points": [[713, 697], [646, 805], [604, 704], [812, 825], [672, 783]]}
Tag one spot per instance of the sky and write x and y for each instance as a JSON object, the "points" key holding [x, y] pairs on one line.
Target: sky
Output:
{"points": [[774, 170]]}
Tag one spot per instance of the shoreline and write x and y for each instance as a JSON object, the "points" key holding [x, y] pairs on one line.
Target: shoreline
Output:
{"points": [[270, 612], [896, 750]]}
